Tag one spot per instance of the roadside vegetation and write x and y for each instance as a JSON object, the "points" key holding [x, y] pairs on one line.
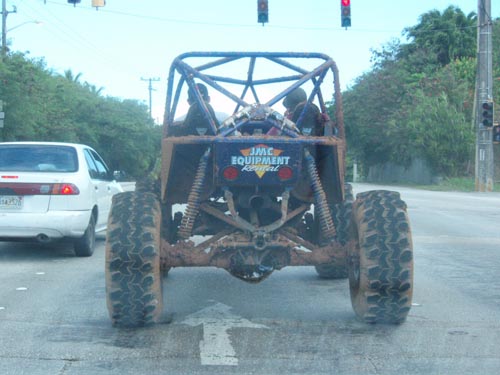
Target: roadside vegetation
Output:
{"points": [[463, 184], [417, 101], [40, 105]]}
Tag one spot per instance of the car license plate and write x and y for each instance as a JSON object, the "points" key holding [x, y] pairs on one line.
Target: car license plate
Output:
{"points": [[11, 202]]}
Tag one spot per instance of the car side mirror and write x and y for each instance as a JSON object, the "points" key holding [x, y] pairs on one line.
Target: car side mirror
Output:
{"points": [[119, 175]]}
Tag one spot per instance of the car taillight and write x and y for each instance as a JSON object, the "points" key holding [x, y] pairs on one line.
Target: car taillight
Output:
{"points": [[65, 189], [285, 173], [39, 189], [230, 173]]}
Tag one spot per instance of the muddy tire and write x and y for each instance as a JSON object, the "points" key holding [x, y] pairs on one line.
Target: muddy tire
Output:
{"points": [[381, 263], [85, 245], [341, 215], [153, 185], [148, 185], [133, 275], [167, 230]]}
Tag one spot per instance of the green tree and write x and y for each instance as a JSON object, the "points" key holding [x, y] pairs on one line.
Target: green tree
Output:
{"points": [[446, 36], [416, 102], [43, 106]]}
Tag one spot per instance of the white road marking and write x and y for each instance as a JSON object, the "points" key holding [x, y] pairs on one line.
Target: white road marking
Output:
{"points": [[216, 348], [22, 288]]}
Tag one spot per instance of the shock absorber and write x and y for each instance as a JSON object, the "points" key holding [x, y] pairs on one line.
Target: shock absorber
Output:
{"points": [[193, 205], [320, 202]]}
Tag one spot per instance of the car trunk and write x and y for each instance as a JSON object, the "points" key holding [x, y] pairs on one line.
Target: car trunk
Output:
{"points": [[27, 192]]}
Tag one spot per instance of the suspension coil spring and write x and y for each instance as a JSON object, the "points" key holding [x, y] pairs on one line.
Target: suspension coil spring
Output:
{"points": [[193, 205], [320, 202]]}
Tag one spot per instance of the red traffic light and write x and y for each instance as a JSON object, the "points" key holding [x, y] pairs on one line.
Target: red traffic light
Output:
{"points": [[345, 13]]}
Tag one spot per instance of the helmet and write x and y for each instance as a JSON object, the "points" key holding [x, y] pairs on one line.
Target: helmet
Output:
{"points": [[295, 97], [203, 92]]}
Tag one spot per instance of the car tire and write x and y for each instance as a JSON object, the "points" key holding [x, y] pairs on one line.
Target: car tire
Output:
{"points": [[133, 271], [85, 245], [381, 262]]}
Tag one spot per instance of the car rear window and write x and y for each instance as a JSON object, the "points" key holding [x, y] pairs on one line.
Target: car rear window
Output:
{"points": [[38, 158]]}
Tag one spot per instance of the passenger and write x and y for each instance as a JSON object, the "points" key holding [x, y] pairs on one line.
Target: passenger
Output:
{"points": [[294, 103], [196, 122], [293, 99]]}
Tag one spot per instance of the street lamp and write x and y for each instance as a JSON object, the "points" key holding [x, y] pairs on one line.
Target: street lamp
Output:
{"points": [[24, 23], [5, 13], [5, 31]]}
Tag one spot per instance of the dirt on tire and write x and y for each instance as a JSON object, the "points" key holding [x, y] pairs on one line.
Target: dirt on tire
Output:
{"points": [[381, 265], [133, 275]]}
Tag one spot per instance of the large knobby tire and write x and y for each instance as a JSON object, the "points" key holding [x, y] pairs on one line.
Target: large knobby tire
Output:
{"points": [[85, 245], [381, 262], [152, 185], [148, 184], [341, 215], [133, 275]]}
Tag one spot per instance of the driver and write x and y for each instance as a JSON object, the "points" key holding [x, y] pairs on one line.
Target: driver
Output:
{"points": [[195, 122]]}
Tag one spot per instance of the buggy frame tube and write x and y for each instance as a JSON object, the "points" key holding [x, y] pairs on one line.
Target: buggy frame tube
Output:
{"points": [[188, 74]]}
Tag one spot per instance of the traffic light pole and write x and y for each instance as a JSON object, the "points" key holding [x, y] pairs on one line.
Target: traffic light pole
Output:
{"points": [[4, 28], [484, 88], [5, 13]]}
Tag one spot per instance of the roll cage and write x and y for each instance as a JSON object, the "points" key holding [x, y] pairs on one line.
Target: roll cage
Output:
{"points": [[213, 70]]}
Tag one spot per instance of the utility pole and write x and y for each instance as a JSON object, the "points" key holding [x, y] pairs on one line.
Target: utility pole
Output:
{"points": [[484, 88], [150, 88], [5, 13]]}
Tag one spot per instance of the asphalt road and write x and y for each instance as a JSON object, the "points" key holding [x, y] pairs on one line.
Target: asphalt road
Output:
{"points": [[53, 316]]}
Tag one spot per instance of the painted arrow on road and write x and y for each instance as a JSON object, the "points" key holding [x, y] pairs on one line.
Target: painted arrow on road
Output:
{"points": [[217, 320]]}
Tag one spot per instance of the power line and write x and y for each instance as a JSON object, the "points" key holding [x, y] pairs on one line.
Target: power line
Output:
{"points": [[219, 24], [69, 35]]}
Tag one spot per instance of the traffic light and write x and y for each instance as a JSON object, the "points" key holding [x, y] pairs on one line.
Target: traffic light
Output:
{"points": [[74, 2], [487, 114], [98, 3], [496, 134], [2, 114], [262, 11], [345, 13]]}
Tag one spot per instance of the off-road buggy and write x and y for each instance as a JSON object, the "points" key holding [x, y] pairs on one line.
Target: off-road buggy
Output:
{"points": [[235, 197]]}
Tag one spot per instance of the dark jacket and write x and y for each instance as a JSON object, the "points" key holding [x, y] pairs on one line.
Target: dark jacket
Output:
{"points": [[312, 118], [195, 122]]}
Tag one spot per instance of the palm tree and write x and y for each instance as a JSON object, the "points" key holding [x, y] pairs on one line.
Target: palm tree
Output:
{"points": [[448, 36], [68, 74]]}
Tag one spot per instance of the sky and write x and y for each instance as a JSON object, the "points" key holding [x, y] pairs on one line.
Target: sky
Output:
{"points": [[120, 46]]}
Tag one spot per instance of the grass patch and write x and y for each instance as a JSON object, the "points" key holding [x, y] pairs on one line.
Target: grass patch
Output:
{"points": [[465, 184]]}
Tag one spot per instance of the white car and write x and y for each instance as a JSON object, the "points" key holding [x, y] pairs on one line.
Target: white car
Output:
{"points": [[51, 191]]}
